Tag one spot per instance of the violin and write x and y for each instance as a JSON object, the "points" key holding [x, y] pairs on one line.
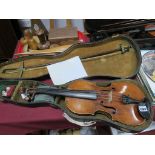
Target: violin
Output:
{"points": [[119, 100]]}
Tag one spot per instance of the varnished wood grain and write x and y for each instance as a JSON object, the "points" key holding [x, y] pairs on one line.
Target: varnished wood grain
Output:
{"points": [[125, 113]]}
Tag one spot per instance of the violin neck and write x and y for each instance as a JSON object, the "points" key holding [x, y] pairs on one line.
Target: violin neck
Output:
{"points": [[83, 94]]}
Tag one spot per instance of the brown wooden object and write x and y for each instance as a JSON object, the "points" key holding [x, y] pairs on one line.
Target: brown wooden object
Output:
{"points": [[109, 101]]}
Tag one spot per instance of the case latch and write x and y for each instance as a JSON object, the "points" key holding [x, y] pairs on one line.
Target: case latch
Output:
{"points": [[124, 49]]}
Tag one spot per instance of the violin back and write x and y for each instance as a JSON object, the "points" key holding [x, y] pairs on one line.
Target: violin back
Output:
{"points": [[118, 56]]}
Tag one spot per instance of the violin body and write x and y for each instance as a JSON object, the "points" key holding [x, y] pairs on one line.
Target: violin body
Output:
{"points": [[110, 104]]}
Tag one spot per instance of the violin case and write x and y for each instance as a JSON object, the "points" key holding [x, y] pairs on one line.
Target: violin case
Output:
{"points": [[117, 58], [14, 96]]}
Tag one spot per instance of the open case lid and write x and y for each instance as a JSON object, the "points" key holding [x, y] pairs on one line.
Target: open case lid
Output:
{"points": [[117, 56]]}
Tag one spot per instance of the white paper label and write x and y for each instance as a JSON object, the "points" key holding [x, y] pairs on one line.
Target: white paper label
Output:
{"points": [[66, 71], [143, 108]]}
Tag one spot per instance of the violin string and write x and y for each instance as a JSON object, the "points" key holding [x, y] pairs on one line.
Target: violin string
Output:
{"points": [[108, 102], [103, 92], [112, 99], [107, 92], [105, 96], [112, 95], [104, 102], [119, 94], [108, 95], [108, 98]]}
